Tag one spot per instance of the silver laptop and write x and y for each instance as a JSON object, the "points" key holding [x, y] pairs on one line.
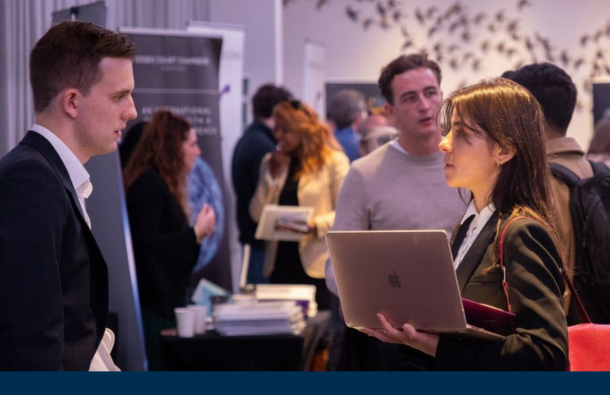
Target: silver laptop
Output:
{"points": [[406, 275]]}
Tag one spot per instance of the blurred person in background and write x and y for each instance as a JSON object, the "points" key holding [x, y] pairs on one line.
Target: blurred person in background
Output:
{"points": [[256, 142], [347, 110], [375, 131], [165, 246], [306, 169]]}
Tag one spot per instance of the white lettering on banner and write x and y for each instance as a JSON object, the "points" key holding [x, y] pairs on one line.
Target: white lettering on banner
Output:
{"points": [[200, 118], [159, 60]]}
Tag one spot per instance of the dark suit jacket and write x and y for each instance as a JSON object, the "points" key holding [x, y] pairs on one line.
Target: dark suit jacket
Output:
{"points": [[164, 246], [53, 278], [256, 142], [540, 339]]}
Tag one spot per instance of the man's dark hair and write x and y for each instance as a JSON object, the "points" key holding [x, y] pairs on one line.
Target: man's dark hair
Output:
{"points": [[69, 55], [554, 90], [508, 74], [345, 106], [266, 97], [403, 64]]}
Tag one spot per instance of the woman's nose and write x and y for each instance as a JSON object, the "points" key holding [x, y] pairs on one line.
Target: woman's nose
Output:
{"points": [[445, 144]]}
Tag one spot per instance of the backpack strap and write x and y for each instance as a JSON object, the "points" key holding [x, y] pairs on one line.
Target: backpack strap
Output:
{"points": [[598, 167], [600, 171], [564, 174]]}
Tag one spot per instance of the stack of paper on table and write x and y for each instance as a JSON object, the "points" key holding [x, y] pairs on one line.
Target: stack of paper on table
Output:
{"points": [[303, 293], [261, 318]]}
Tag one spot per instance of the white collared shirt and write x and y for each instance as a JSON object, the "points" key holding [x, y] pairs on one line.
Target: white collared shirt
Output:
{"points": [[476, 225], [77, 172]]}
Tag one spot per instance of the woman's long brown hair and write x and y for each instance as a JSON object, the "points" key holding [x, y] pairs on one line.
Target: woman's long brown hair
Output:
{"points": [[511, 117], [160, 148]]}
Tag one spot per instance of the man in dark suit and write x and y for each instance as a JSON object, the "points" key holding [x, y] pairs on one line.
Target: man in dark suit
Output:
{"points": [[53, 278], [256, 142]]}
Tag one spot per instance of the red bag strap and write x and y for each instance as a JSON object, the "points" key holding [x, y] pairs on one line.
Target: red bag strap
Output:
{"points": [[501, 249], [577, 300], [581, 308]]}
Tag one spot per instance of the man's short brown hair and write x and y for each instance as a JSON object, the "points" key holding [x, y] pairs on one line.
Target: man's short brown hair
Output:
{"points": [[68, 56], [400, 65]]}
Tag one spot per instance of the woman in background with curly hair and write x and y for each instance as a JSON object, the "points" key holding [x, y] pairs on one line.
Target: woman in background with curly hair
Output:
{"points": [[165, 246], [306, 169]]}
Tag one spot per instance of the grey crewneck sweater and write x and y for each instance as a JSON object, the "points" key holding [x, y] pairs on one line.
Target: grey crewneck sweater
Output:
{"points": [[390, 190]]}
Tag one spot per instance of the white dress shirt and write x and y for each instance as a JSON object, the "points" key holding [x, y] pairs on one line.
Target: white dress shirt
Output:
{"points": [[476, 225], [77, 172]]}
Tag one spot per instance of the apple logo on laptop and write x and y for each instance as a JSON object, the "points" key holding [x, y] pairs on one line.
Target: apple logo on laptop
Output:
{"points": [[394, 280]]}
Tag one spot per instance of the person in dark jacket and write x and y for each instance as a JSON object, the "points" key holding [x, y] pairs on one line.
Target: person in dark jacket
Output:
{"points": [[256, 142], [165, 246], [53, 277]]}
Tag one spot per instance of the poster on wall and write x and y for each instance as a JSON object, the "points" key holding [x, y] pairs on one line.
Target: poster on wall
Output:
{"points": [[313, 78], [601, 98], [95, 12], [178, 71]]}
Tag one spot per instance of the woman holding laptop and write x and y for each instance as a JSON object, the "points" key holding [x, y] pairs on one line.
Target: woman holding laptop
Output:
{"points": [[494, 147], [307, 169]]}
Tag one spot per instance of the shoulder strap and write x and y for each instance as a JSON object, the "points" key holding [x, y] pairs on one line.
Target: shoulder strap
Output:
{"points": [[581, 308], [501, 255], [598, 167], [600, 172], [564, 174]]}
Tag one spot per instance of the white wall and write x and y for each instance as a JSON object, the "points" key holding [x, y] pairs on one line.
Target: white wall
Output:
{"points": [[263, 61], [356, 54]]}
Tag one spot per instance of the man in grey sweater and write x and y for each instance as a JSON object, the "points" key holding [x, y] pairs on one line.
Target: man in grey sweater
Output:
{"points": [[401, 185]]}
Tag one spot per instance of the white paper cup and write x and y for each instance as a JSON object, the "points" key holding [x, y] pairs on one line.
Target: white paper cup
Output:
{"points": [[185, 320], [200, 316]]}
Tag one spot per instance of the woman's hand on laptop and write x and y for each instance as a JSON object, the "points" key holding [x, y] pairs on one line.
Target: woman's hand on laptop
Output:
{"points": [[409, 336]]}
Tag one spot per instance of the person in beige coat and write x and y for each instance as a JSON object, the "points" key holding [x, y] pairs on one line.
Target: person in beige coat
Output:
{"points": [[306, 169]]}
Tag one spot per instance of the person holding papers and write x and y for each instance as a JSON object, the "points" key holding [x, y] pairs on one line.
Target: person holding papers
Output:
{"points": [[494, 147], [306, 169], [165, 246]]}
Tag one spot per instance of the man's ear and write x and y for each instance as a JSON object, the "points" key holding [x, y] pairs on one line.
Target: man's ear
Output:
{"points": [[69, 101], [389, 109]]}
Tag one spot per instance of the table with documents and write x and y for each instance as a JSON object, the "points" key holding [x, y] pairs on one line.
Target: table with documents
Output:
{"points": [[214, 352]]}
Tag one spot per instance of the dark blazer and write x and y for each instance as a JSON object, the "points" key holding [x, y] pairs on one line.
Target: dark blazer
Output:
{"points": [[540, 339], [256, 142], [53, 278], [165, 247]]}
